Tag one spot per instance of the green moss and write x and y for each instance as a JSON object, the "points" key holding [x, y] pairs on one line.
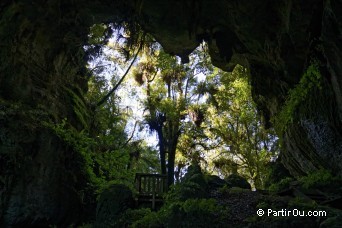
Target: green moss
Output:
{"points": [[310, 80], [80, 144], [233, 190], [302, 204], [263, 205], [193, 185], [190, 213], [281, 185], [185, 191], [130, 216], [97, 33], [317, 179], [151, 219], [237, 190], [112, 204], [235, 180]]}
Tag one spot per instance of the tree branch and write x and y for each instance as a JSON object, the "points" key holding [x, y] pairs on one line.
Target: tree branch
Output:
{"points": [[130, 138], [97, 67], [105, 98]]}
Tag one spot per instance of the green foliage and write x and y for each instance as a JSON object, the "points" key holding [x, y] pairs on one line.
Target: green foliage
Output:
{"points": [[117, 155], [310, 80], [102, 169], [112, 203], [185, 191], [319, 178], [193, 185], [275, 172], [281, 185], [263, 205], [214, 181], [79, 141], [79, 107], [224, 190], [80, 144], [302, 204], [166, 101], [130, 216], [97, 33], [151, 219], [189, 213], [236, 129], [222, 117]]}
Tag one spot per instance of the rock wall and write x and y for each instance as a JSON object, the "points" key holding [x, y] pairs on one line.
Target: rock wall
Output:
{"points": [[41, 76], [43, 179]]}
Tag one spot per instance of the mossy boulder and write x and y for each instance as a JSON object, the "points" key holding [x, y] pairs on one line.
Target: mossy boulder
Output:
{"points": [[276, 172], [235, 180], [195, 183], [188, 213], [281, 185], [192, 186], [198, 179], [237, 190], [192, 170], [112, 202], [214, 182], [321, 179]]}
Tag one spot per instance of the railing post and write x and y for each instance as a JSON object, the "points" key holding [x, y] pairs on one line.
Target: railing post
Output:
{"points": [[154, 192]]}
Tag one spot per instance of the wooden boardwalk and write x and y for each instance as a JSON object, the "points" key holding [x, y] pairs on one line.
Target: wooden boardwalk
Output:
{"points": [[150, 187]]}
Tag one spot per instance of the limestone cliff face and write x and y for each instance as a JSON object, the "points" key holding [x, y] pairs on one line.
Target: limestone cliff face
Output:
{"points": [[43, 78], [277, 41], [40, 79]]}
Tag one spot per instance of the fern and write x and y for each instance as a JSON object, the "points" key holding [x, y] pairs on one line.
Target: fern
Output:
{"points": [[310, 80]]}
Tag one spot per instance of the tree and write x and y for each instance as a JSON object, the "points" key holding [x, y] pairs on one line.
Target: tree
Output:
{"points": [[168, 84], [117, 154], [235, 124]]}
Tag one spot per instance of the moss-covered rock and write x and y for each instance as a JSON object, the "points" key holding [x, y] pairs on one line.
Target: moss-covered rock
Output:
{"points": [[214, 181], [188, 213], [113, 201], [235, 180], [193, 185], [281, 185], [322, 179], [192, 170], [276, 172]]}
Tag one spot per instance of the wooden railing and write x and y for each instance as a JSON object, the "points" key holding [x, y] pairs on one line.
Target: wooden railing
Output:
{"points": [[150, 187]]}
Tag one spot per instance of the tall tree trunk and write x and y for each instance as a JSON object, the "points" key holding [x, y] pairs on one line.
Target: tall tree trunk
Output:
{"points": [[171, 167], [162, 151], [173, 141]]}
